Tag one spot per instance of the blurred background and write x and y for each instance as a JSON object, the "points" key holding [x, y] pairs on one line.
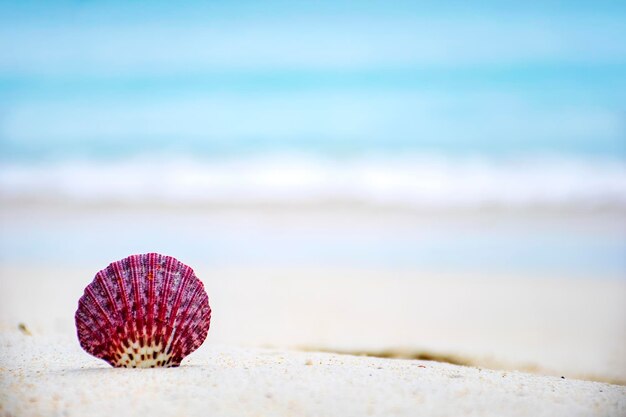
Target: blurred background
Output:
{"points": [[324, 142]]}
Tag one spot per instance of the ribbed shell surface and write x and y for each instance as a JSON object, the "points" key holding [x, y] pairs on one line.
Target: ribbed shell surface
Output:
{"points": [[143, 311]]}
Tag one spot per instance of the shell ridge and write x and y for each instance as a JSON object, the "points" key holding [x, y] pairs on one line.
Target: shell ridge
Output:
{"points": [[91, 314], [172, 329], [132, 328], [86, 322], [96, 329], [80, 324], [152, 263], [184, 324], [123, 330], [94, 298], [104, 283], [177, 299], [162, 316], [203, 326], [193, 343], [181, 320], [163, 332], [168, 345], [120, 284], [138, 310]]}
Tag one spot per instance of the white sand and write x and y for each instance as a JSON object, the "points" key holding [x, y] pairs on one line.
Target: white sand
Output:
{"points": [[52, 376], [555, 326], [551, 325]]}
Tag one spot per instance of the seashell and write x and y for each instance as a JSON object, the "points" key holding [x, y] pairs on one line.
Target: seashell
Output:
{"points": [[143, 311]]}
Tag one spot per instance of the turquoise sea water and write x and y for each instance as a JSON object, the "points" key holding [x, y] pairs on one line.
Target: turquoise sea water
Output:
{"points": [[112, 79], [411, 105]]}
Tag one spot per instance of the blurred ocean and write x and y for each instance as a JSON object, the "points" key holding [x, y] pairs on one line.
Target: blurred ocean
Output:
{"points": [[428, 105], [421, 104], [414, 181]]}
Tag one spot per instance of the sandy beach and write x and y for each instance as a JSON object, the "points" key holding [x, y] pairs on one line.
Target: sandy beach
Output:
{"points": [[51, 376], [293, 336], [498, 322], [259, 360]]}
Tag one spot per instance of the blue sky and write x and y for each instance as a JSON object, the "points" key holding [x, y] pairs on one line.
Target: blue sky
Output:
{"points": [[430, 76]]}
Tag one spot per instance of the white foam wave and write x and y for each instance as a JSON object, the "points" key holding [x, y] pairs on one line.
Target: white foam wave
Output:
{"points": [[412, 180]]}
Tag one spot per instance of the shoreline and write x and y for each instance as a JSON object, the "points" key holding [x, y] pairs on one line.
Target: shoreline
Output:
{"points": [[532, 242], [52, 203]]}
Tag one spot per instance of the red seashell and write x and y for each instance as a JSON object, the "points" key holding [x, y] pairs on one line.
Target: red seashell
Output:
{"points": [[143, 311]]}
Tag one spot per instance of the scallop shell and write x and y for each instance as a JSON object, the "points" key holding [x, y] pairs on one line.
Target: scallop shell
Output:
{"points": [[143, 311]]}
